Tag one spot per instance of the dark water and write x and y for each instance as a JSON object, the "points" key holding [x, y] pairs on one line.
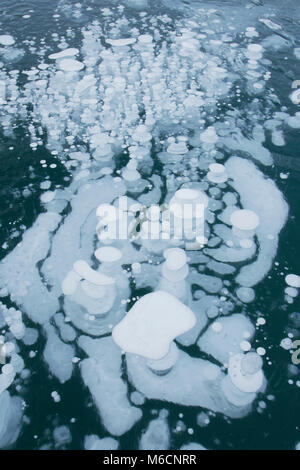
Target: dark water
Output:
{"points": [[277, 426]]}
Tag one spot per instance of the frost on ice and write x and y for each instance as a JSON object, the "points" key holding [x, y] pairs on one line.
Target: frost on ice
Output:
{"points": [[135, 116]]}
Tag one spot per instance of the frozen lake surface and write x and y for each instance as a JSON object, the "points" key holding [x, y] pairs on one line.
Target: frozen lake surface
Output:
{"points": [[119, 120]]}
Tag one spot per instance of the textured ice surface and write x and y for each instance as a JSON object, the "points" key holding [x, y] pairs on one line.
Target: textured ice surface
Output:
{"points": [[58, 355], [81, 223], [19, 271], [10, 417], [251, 185], [192, 382], [199, 307], [93, 442], [101, 373], [156, 436], [6, 40], [225, 341], [192, 446]]}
